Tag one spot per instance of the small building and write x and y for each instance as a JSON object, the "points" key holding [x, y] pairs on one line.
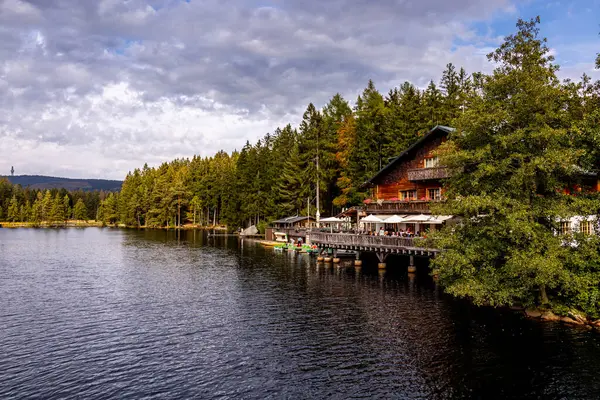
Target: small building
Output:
{"points": [[291, 227], [295, 222], [412, 180]]}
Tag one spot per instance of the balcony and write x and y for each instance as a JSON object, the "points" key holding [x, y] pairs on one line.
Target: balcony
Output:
{"points": [[398, 207], [425, 174]]}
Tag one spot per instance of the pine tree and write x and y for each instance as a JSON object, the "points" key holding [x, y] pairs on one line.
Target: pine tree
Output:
{"points": [[310, 148], [57, 211], [13, 210], [27, 214], [432, 109], [403, 119], [67, 211], [289, 185], [346, 142], [38, 209], [513, 157], [80, 210], [47, 206], [368, 154], [451, 87]]}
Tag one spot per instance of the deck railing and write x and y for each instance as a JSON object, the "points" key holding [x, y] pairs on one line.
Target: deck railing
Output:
{"points": [[347, 239], [424, 174], [398, 207]]}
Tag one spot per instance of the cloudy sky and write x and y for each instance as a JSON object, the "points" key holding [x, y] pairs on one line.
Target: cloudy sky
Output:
{"points": [[97, 88]]}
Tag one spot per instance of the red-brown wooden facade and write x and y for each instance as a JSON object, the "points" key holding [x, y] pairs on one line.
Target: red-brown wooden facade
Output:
{"points": [[408, 174]]}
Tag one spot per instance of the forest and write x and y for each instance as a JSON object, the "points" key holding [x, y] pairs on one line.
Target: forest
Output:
{"points": [[277, 175], [55, 206]]}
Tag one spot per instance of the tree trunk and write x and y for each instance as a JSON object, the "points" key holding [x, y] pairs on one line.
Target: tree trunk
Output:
{"points": [[544, 295], [178, 211]]}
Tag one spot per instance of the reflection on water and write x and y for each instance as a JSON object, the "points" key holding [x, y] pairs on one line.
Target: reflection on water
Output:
{"points": [[104, 313]]}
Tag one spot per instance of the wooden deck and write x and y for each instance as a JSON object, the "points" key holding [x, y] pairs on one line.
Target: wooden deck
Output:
{"points": [[378, 244]]}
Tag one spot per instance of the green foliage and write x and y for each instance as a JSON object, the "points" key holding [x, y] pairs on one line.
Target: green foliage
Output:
{"points": [[518, 146], [80, 211], [18, 204], [262, 226]]}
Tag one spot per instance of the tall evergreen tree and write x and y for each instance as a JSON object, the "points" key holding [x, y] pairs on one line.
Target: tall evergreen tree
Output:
{"points": [[513, 158], [80, 210], [13, 209]]}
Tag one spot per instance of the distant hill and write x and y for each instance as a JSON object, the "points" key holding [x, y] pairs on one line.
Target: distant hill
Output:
{"points": [[51, 182]]}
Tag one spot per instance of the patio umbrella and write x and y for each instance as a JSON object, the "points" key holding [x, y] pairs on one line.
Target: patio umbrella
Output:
{"points": [[395, 219], [371, 218], [417, 218]]}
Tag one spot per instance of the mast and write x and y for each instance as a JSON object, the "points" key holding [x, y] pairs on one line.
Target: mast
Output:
{"points": [[318, 214]]}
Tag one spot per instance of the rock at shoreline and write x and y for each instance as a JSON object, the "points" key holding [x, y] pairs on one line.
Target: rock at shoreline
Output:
{"points": [[581, 319], [550, 316], [569, 320], [533, 312]]}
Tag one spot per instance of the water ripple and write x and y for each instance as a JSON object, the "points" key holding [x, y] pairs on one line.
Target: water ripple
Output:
{"points": [[101, 313]]}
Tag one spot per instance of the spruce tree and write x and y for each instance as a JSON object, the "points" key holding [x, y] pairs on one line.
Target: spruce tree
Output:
{"points": [[13, 210], [289, 185], [513, 158], [57, 210], [47, 206], [80, 210]]}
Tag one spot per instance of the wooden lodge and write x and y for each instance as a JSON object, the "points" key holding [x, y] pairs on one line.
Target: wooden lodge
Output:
{"points": [[397, 218], [412, 180]]}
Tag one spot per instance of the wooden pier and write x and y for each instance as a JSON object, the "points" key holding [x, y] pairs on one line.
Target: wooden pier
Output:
{"points": [[382, 246]]}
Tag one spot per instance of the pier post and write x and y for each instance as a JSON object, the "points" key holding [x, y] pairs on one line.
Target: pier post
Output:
{"points": [[336, 259], [320, 256], [381, 257], [411, 265], [358, 261]]}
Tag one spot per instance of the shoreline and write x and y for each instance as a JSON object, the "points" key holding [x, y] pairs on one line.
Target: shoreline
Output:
{"points": [[99, 224], [68, 224]]}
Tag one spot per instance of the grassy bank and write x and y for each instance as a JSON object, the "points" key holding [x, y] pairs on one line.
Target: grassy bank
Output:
{"points": [[68, 224], [93, 223]]}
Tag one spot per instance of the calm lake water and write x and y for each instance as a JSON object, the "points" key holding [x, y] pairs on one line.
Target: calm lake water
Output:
{"points": [[105, 313]]}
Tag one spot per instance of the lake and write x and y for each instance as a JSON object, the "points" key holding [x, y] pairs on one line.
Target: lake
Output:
{"points": [[105, 313]]}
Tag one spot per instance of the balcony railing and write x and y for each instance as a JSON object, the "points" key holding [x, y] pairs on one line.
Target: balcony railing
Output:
{"points": [[398, 207], [424, 174]]}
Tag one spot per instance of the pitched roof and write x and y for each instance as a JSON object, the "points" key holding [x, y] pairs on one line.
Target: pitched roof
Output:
{"points": [[416, 144], [292, 220]]}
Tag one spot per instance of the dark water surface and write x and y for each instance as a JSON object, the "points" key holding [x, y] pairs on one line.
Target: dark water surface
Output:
{"points": [[104, 313]]}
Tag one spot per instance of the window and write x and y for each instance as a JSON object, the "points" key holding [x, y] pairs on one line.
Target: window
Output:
{"points": [[408, 194], [565, 227], [434, 194], [431, 162], [585, 227]]}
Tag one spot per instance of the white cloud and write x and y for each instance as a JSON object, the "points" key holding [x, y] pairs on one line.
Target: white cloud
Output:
{"points": [[94, 89]]}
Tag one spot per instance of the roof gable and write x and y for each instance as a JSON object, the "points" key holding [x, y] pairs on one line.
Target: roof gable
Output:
{"points": [[405, 153], [292, 220]]}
